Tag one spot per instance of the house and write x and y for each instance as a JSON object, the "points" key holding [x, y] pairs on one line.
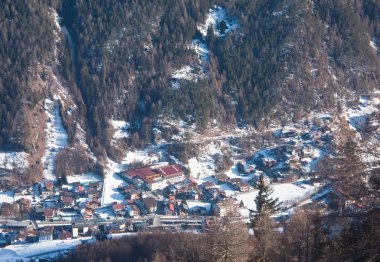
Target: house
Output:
{"points": [[49, 185], [46, 234], [208, 184], [94, 185], [308, 150], [88, 213], [222, 178], [49, 213], [65, 235], [235, 181], [243, 187], [268, 162], [93, 204], [68, 202], [119, 209], [132, 195], [92, 193], [133, 210], [150, 204], [24, 204], [48, 189], [225, 208]]}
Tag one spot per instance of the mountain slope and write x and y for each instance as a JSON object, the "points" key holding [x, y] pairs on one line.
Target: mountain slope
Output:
{"points": [[207, 63]]}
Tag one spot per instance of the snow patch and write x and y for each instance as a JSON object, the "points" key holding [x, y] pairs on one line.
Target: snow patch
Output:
{"points": [[373, 44], [40, 248], [215, 18], [11, 160], [56, 138], [7, 197]]}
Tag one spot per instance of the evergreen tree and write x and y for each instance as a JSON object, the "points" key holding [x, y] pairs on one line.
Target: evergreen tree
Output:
{"points": [[265, 204]]}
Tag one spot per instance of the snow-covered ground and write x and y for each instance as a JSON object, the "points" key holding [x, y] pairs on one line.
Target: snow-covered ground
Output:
{"points": [[373, 44], [288, 193], [84, 178], [7, 197], [121, 129], [56, 138], [11, 160], [23, 251], [216, 15], [112, 181], [357, 116]]}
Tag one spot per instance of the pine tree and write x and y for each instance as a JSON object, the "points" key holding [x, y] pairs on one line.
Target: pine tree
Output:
{"points": [[265, 204]]}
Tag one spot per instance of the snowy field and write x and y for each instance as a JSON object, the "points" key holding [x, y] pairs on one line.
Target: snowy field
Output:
{"points": [[23, 251], [56, 138], [84, 178], [357, 116], [11, 160], [7, 197], [288, 194]]}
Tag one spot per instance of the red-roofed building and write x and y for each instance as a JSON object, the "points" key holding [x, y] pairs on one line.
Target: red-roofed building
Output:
{"points": [[49, 213], [119, 209], [68, 202], [172, 173]]}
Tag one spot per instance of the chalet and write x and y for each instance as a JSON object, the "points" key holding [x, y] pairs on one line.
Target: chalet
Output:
{"points": [[93, 204], [48, 189], [46, 234], [24, 204], [133, 210], [235, 181], [225, 208], [307, 150], [214, 192], [132, 195], [172, 200], [92, 193], [170, 210], [119, 209], [208, 184], [129, 188], [268, 162], [88, 213], [150, 204], [49, 213], [68, 202], [222, 178], [65, 235], [49, 185], [243, 187], [94, 185]]}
